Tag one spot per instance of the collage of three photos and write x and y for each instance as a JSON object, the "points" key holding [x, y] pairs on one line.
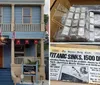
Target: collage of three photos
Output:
{"points": [[75, 42], [48, 42]]}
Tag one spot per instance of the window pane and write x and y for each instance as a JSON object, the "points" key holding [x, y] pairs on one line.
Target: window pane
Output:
{"points": [[0, 19], [26, 19], [19, 48], [26, 11], [19, 55]]}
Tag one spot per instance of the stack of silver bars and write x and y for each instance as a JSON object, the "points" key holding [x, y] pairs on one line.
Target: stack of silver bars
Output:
{"points": [[81, 24]]}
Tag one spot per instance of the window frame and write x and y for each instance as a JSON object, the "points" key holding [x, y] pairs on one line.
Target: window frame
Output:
{"points": [[27, 16]]}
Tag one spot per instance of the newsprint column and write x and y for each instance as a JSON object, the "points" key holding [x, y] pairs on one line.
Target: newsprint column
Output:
{"points": [[12, 40], [42, 65]]}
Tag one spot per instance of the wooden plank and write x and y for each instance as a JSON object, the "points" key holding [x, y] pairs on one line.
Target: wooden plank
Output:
{"points": [[76, 46], [66, 83], [52, 2], [84, 2]]}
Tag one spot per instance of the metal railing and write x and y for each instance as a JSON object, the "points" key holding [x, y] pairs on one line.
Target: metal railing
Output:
{"points": [[5, 27], [27, 27], [21, 27]]}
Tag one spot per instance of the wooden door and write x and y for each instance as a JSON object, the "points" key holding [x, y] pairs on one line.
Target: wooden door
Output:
{"points": [[1, 57]]}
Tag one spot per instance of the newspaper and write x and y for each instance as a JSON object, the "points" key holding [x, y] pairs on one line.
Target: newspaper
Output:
{"points": [[75, 65]]}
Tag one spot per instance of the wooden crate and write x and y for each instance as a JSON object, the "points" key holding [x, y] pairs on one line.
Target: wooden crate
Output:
{"points": [[66, 83], [76, 46], [56, 21]]}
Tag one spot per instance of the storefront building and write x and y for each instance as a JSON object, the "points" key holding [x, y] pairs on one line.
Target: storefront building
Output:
{"points": [[21, 28]]}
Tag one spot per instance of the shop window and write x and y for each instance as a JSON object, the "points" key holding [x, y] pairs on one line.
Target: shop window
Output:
{"points": [[19, 50]]}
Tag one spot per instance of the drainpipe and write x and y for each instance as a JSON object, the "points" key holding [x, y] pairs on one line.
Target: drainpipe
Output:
{"points": [[12, 40]]}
